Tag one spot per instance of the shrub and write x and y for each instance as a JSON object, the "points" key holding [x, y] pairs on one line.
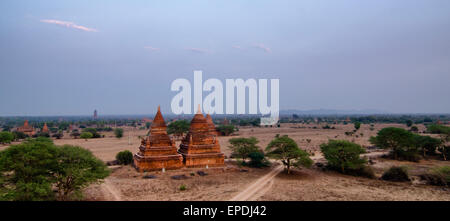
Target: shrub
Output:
{"points": [[396, 174], [242, 147], [182, 187], [438, 129], [226, 130], [258, 160], [118, 132], [344, 156], [93, 131], [124, 157], [86, 135], [439, 176]]}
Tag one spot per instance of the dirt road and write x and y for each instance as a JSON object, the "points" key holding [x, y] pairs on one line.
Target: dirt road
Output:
{"points": [[258, 188]]}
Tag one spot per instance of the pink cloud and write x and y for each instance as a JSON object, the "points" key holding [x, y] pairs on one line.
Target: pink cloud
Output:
{"points": [[68, 24], [263, 47]]}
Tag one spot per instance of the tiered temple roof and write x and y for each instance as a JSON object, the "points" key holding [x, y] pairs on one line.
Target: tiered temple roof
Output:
{"points": [[200, 147], [158, 150], [27, 129], [45, 128]]}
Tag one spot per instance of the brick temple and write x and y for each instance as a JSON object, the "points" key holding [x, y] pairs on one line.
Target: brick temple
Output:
{"points": [[26, 129], [157, 150], [200, 147], [45, 128]]}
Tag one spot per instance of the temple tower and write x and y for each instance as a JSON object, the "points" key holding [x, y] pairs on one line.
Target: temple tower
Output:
{"points": [[157, 150], [200, 147]]}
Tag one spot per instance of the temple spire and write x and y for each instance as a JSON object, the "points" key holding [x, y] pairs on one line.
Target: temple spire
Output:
{"points": [[199, 111]]}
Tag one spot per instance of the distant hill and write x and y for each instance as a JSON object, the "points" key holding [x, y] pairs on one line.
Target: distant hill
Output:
{"points": [[332, 112]]}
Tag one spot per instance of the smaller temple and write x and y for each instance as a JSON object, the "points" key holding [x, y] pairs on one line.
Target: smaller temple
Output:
{"points": [[45, 128], [26, 129], [212, 127], [200, 147], [158, 150]]}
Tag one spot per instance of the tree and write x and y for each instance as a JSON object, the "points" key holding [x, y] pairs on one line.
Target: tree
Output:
{"points": [[118, 132], [357, 125], [124, 157], [86, 135], [243, 147], [75, 134], [286, 150], [93, 131], [36, 166], [30, 166], [438, 129], [427, 144], [19, 135], [409, 123], [226, 130], [178, 128], [6, 137], [400, 141], [343, 155], [77, 168]]}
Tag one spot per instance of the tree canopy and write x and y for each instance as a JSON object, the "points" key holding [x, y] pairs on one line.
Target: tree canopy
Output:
{"points": [[286, 150]]}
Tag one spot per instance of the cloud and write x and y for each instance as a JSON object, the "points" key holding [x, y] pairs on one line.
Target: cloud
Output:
{"points": [[263, 47], [150, 48], [68, 24], [236, 47], [198, 50]]}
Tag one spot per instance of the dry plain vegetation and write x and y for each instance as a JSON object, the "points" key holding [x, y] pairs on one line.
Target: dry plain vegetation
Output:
{"points": [[125, 183]]}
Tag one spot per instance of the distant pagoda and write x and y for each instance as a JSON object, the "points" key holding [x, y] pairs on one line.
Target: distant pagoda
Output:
{"points": [[157, 150], [45, 128], [95, 115], [26, 129], [200, 147]]}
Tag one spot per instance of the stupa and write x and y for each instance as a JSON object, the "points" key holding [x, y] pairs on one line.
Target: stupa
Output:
{"points": [[26, 129], [157, 150], [212, 127], [199, 147], [45, 128]]}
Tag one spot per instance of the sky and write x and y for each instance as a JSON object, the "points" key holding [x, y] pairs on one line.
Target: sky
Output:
{"points": [[120, 57]]}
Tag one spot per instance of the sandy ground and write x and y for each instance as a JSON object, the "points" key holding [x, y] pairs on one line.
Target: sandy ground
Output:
{"points": [[228, 182]]}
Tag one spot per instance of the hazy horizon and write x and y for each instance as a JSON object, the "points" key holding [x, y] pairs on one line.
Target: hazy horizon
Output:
{"points": [[67, 58]]}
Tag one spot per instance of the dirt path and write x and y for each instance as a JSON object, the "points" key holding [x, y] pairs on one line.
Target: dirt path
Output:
{"points": [[259, 187], [109, 189]]}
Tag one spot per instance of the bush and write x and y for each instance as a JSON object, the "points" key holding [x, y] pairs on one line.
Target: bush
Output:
{"points": [[438, 129], [183, 187], [258, 160], [343, 155], [242, 147], [396, 174], [86, 135], [124, 157], [439, 176], [402, 143], [118, 132], [226, 130], [6, 137]]}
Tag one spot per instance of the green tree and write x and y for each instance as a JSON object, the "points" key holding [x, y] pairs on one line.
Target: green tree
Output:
{"points": [[226, 130], [19, 135], [118, 132], [409, 123], [427, 144], [30, 166], [243, 147], [178, 128], [93, 131], [398, 140], [124, 157], [36, 166], [6, 137], [357, 125], [77, 168], [86, 135], [343, 155], [286, 150]]}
